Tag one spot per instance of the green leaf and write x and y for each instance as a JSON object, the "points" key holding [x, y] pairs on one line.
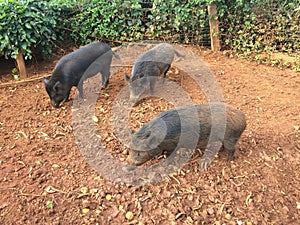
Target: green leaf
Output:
{"points": [[49, 204], [27, 25]]}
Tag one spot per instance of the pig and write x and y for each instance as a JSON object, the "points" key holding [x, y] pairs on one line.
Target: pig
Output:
{"points": [[148, 67], [150, 141], [88, 60]]}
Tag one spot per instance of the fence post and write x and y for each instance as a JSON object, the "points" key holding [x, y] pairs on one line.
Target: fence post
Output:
{"points": [[21, 65], [214, 27]]}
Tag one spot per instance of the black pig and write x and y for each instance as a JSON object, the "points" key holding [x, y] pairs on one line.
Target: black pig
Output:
{"points": [[150, 140], [88, 61], [148, 67]]}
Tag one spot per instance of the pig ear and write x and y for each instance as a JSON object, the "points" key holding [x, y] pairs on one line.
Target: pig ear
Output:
{"points": [[127, 78], [56, 85]]}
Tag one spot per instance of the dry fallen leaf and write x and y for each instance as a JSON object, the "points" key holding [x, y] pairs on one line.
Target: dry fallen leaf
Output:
{"points": [[55, 166], [108, 197], [210, 211], [228, 216], [95, 119], [84, 190], [121, 208], [85, 210], [51, 190], [129, 215]]}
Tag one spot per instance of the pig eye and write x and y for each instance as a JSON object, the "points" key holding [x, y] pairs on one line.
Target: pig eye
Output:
{"points": [[148, 134]]}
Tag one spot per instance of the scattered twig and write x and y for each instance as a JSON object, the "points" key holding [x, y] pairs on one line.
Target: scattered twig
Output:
{"points": [[237, 185], [83, 195], [131, 222], [26, 194], [241, 176], [8, 188], [172, 176], [189, 191], [248, 199], [259, 99], [21, 82], [268, 165], [21, 162], [221, 208], [247, 162], [179, 215], [52, 190], [23, 133]]}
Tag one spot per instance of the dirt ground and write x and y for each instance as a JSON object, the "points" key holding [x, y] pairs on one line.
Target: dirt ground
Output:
{"points": [[44, 179]]}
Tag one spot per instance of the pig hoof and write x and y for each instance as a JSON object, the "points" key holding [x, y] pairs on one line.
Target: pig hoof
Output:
{"points": [[129, 168], [204, 164], [104, 85]]}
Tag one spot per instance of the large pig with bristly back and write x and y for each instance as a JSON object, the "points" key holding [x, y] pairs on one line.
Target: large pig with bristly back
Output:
{"points": [[163, 132]]}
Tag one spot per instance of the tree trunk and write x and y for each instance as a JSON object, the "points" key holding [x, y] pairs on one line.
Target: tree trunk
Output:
{"points": [[21, 66], [214, 27]]}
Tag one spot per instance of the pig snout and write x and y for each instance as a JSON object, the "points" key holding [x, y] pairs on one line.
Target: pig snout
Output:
{"points": [[57, 104], [134, 100], [137, 158], [54, 104], [131, 161]]}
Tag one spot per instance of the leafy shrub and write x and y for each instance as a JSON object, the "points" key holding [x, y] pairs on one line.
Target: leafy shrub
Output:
{"points": [[261, 27], [108, 20], [131, 20], [28, 25], [249, 28], [179, 21]]}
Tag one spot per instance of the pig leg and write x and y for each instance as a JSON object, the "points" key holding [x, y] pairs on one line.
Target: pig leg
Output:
{"points": [[165, 73], [152, 76], [105, 74], [80, 88], [67, 98], [105, 68], [230, 146], [152, 85], [209, 154]]}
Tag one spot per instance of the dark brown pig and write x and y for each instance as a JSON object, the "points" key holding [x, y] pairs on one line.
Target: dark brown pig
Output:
{"points": [[148, 67], [72, 69], [163, 132]]}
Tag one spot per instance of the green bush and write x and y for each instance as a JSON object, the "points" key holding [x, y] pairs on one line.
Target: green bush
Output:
{"points": [[28, 25], [179, 21], [132, 20], [258, 29], [108, 20], [249, 28]]}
